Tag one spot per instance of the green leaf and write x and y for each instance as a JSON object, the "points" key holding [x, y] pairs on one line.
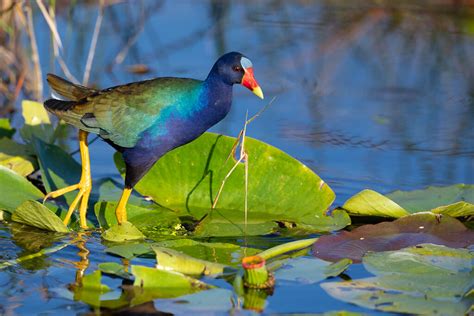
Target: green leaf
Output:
{"points": [[371, 203], [91, 289], [124, 232], [221, 222], [130, 251], [153, 219], [224, 253], [15, 190], [37, 122], [427, 279], [116, 269], [37, 215], [58, 168], [169, 259], [107, 189], [403, 232], [161, 283], [336, 268], [5, 128], [16, 157], [455, 200], [308, 270], [188, 178]]}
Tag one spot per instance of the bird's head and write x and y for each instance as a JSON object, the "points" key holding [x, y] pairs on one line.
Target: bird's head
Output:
{"points": [[236, 68]]}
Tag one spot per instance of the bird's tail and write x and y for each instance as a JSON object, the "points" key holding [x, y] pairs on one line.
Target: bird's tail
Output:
{"points": [[67, 89], [74, 110]]}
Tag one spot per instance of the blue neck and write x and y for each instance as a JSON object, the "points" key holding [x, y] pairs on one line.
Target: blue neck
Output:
{"points": [[216, 98]]}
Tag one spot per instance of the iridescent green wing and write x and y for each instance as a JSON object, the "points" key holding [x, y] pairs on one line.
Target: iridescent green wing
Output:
{"points": [[122, 113]]}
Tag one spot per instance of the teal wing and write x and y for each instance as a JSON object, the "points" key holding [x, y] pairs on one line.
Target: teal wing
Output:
{"points": [[121, 114]]}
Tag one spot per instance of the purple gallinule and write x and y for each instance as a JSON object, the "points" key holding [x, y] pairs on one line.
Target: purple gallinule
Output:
{"points": [[144, 120]]}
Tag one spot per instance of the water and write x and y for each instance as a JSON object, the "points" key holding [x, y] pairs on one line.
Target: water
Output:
{"points": [[368, 96]]}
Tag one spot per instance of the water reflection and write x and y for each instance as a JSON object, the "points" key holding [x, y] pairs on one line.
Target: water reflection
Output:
{"points": [[392, 80]]}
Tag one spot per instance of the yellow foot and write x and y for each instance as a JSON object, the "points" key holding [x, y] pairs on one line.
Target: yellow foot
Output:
{"points": [[84, 186], [82, 196]]}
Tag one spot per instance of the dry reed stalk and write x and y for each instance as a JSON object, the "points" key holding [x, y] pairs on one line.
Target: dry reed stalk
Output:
{"points": [[95, 36], [242, 157], [51, 23], [38, 90]]}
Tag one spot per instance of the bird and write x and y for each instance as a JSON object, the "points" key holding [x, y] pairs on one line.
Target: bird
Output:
{"points": [[144, 120]]}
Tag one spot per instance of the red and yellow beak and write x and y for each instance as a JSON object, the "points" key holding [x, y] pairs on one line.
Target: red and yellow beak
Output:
{"points": [[249, 82]]}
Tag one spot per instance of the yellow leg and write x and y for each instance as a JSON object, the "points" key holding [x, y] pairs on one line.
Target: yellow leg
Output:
{"points": [[121, 211], [84, 186]]}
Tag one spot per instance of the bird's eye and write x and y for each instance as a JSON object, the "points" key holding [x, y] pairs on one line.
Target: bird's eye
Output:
{"points": [[237, 68]]}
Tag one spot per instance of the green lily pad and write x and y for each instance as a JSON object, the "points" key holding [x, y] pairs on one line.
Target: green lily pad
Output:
{"points": [[107, 189], [116, 269], [308, 270], [15, 190], [403, 232], [37, 122], [169, 259], [130, 251], [188, 178], [231, 223], [124, 232], [224, 253], [154, 218], [58, 168], [455, 200], [427, 280], [91, 289], [5, 128], [17, 157], [37, 215], [157, 283]]}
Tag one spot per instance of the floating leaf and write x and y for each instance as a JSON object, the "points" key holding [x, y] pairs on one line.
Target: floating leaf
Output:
{"points": [[129, 251], [161, 283], [403, 232], [336, 268], [188, 179], [224, 253], [371, 203], [455, 200], [230, 223], [124, 232], [427, 279], [309, 270], [5, 128], [37, 122], [58, 168], [116, 269], [15, 190], [37, 215], [169, 259], [16, 157], [153, 218], [91, 289], [107, 189]]}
